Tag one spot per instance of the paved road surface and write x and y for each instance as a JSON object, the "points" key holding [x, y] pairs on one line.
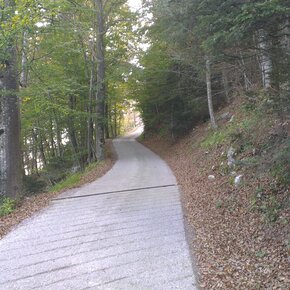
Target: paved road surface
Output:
{"points": [[122, 232]]}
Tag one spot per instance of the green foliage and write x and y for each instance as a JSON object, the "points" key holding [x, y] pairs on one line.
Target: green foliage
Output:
{"points": [[69, 182], [73, 179], [33, 184], [7, 206], [166, 93], [238, 132], [57, 169], [281, 167], [214, 138]]}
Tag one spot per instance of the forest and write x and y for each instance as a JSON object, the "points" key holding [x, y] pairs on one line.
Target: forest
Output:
{"points": [[54, 56], [74, 74], [71, 71]]}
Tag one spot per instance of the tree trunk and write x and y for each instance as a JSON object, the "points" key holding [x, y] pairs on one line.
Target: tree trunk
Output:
{"points": [[115, 120], [90, 126], [247, 82], [209, 94], [56, 127], [10, 151], [265, 60], [101, 89], [72, 130], [226, 84], [51, 137], [34, 152], [24, 68], [58, 136]]}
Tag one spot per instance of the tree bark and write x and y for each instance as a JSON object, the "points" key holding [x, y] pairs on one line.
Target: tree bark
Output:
{"points": [[24, 69], [226, 84], [209, 93], [10, 151], [101, 88], [90, 125], [265, 60], [72, 130]]}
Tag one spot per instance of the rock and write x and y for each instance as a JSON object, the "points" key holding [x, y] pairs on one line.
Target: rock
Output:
{"points": [[232, 119], [230, 155], [238, 180], [225, 116], [211, 177]]}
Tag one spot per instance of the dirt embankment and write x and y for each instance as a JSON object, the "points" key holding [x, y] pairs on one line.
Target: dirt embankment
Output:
{"points": [[242, 234], [32, 204]]}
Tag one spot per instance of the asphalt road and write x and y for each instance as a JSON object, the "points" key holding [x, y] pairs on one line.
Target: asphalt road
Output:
{"points": [[124, 231]]}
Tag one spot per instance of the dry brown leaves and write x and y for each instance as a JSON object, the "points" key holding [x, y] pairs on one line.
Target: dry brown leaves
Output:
{"points": [[234, 248], [31, 205]]}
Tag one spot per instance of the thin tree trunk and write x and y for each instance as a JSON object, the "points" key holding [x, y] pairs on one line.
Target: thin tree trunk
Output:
{"points": [[90, 126], [101, 89], [52, 143], [247, 82], [226, 84], [34, 152], [41, 149], [26, 158], [57, 131], [115, 120], [209, 94], [72, 130], [58, 137]]}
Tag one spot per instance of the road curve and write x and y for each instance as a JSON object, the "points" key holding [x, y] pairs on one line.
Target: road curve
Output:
{"points": [[122, 232]]}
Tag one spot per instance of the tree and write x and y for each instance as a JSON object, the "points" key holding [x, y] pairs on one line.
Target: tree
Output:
{"points": [[10, 153], [209, 93]]}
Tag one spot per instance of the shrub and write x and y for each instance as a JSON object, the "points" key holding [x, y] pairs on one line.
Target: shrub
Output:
{"points": [[34, 184], [7, 205], [281, 168]]}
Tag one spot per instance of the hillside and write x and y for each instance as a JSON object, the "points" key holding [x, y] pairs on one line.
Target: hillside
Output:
{"points": [[241, 224]]}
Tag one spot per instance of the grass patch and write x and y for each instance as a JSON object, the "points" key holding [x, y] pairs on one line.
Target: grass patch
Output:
{"points": [[71, 181], [214, 138], [7, 206], [74, 179], [92, 166], [240, 130]]}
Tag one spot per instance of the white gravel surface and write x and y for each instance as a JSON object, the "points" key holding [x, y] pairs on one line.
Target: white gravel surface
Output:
{"points": [[123, 231]]}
